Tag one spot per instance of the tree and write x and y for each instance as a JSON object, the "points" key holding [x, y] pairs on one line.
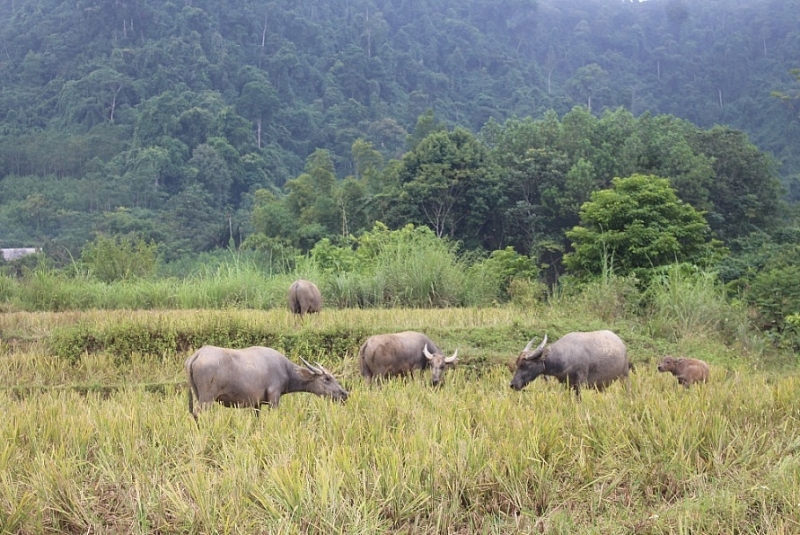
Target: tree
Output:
{"points": [[745, 194], [426, 124], [792, 97], [449, 184], [194, 225], [310, 197], [636, 225], [258, 102], [213, 173], [273, 218], [588, 82]]}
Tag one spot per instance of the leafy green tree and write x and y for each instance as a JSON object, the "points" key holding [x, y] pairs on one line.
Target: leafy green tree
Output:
{"points": [[449, 184], [530, 165], [212, 172], [273, 218], [668, 148], [311, 197], [367, 162], [350, 196], [426, 124], [746, 194], [193, 223], [636, 225], [194, 125], [789, 98], [258, 101], [588, 83]]}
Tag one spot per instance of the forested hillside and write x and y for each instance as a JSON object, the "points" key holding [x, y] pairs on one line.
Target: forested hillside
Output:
{"points": [[197, 124]]}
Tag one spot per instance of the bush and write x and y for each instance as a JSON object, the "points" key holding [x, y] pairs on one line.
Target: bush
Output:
{"points": [[683, 299], [119, 258], [409, 267], [776, 295]]}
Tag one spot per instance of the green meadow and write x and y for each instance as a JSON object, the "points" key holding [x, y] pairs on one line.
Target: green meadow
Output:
{"points": [[96, 436]]}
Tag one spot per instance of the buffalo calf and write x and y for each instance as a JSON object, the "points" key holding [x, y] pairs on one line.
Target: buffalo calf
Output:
{"points": [[688, 371]]}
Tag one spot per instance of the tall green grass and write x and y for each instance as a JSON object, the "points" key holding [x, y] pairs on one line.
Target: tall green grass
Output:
{"points": [[405, 280], [686, 301]]}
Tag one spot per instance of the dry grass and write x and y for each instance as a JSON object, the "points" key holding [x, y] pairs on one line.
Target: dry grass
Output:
{"points": [[471, 457]]}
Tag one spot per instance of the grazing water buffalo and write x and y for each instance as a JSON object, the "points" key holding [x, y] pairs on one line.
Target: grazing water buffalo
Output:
{"points": [[688, 371], [387, 355], [304, 297], [592, 359], [251, 377]]}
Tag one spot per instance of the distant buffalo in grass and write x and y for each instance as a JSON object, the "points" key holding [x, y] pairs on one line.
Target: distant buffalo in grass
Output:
{"points": [[304, 297], [399, 354]]}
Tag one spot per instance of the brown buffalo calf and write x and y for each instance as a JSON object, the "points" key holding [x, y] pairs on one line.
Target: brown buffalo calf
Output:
{"points": [[688, 371]]}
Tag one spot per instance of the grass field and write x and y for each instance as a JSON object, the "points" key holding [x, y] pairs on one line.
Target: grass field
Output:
{"points": [[98, 439]]}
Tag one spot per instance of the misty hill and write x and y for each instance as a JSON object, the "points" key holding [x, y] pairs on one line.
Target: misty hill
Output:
{"points": [[129, 94]]}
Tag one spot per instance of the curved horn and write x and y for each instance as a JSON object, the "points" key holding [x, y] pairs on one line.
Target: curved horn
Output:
{"points": [[450, 360], [426, 352], [310, 367], [321, 367], [530, 354], [528, 347]]}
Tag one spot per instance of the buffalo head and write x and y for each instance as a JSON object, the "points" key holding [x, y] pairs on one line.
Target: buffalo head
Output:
{"points": [[667, 364], [530, 365], [438, 362], [323, 383]]}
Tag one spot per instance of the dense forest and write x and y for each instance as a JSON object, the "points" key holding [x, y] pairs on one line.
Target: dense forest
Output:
{"points": [[200, 125]]}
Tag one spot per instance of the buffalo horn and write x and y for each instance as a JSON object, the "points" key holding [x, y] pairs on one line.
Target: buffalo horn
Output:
{"points": [[426, 352], [450, 360], [310, 367], [536, 351]]}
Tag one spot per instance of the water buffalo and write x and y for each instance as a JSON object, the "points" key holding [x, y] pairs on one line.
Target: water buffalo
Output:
{"points": [[304, 297], [387, 355], [251, 377], [593, 359], [688, 371]]}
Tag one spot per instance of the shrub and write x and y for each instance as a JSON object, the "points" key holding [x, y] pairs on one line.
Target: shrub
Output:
{"points": [[683, 299], [776, 295], [119, 258]]}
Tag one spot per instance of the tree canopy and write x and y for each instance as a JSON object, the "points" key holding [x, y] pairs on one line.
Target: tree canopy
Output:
{"points": [[638, 223], [199, 124]]}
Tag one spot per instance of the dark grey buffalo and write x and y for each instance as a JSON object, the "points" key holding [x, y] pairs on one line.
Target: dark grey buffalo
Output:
{"points": [[593, 359], [251, 377], [388, 355], [304, 297]]}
